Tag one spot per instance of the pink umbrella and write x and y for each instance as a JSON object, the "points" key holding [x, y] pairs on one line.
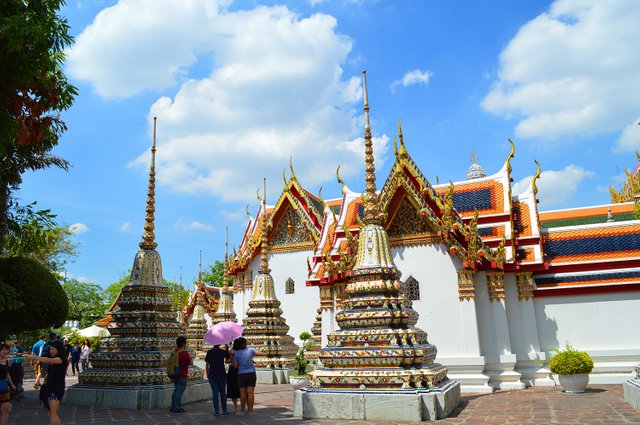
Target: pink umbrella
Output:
{"points": [[222, 333]]}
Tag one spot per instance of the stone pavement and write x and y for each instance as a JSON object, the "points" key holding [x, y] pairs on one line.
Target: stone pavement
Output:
{"points": [[602, 404]]}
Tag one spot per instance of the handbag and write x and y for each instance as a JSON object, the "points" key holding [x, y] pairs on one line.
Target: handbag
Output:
{"points": [[4, 386]]}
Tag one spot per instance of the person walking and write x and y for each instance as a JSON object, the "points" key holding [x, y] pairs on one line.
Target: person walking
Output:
{"points": [[74, 356], [6, 385], [52, 390], [233, 392], [217, 376], [16, 370], [180, 382], [37, 367], [243, 360], [84, 354]]}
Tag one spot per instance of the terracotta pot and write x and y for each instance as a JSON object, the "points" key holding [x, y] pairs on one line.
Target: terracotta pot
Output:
{"points": [[574, 383], [298, 381]]}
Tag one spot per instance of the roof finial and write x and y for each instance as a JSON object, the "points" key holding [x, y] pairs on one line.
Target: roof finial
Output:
{"points": [[403, 148], [148, 238], [395, 145], [511, 155], [180, 298], [340, 179], [536, 177], [225, 281], [200, 268], [264, 259], [293, 173], [474, 158], [372, 213]]}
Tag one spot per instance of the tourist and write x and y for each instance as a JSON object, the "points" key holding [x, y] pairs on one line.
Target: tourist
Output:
{"points": [[67, 350], [84, 354], [217, 376], [233, 392], [180, 382], [243, 360], [37, 367], [52, 390], [16, 369], [6, 385], [74, 356]]}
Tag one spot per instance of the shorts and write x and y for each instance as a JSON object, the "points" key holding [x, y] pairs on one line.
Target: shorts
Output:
{"points": [[54, 397], [5, 397], [247, 380]]}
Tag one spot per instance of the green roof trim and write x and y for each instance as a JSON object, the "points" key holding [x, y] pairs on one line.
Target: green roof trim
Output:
{"points": [[577, 221]]}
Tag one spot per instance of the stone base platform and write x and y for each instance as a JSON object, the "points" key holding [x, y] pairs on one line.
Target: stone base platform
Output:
{"points": [[632, 392], [394, 406], [142, 397], [273, 376]]}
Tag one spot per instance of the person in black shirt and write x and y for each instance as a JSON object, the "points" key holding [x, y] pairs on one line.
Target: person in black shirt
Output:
{"points": [[217, 377], [53, 388]]}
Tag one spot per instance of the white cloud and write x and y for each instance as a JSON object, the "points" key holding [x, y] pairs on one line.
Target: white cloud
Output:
{"points": [[412, 77], [555, 187], [275, 89], [183, 224], [125, 227], [630, 138], [78, 228], [572, 71]]}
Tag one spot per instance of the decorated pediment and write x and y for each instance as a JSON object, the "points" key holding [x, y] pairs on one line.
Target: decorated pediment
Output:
{"points": [[291, 231], [407, 227]]}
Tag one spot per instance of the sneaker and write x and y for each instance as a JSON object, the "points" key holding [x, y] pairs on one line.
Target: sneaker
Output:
{"points": [[216, 414]]}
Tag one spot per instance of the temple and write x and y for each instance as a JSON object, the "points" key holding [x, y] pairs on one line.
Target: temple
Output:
{"points": [[225, 312], [143, 331], [197, 324], [496, 282]]}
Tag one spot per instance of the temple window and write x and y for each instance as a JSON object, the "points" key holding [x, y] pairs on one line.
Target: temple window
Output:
{"points": [[289, 286], [411, 289]]}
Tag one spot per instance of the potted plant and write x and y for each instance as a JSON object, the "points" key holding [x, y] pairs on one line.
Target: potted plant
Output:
{"points": [[299, 377], [572, 367]]}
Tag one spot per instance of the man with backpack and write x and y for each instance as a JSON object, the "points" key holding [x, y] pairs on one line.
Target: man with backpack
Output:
{"points": [[178, 370]]}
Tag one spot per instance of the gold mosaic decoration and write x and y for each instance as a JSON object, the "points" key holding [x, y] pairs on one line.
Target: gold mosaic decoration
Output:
{"points": [[377, 346], [225, 312], [466, 285], [524, 282], [495, 284]]}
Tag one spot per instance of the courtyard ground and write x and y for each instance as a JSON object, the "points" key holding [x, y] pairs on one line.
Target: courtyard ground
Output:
{"points": [[602, 404]]}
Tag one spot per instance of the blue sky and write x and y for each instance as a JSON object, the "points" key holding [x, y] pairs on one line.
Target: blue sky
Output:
{"points": [[239, 87]]}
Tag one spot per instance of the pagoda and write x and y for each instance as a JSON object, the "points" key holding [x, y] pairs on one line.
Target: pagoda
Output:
{"points": [[129, 370], [225, 311], [198, 324], [264, 327], [377, 353]]}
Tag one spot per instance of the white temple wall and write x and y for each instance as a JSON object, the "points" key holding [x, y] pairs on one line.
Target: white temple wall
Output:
{"points": [[440, 310], [299, 308]]}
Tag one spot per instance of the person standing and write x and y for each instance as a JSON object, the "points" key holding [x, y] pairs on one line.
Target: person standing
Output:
{"points": [[37, 350], [84, 354], [233, 392], [52, 390], [180, 382], [67, 349], [16, 369], [74, 355], [217, 376], [6, 385], [243, 360]]}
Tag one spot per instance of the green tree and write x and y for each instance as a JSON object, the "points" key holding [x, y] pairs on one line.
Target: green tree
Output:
{"points": [[86, 303], [33, 92], [214, 274], [112, 291], [36, 234], [41, 301]]}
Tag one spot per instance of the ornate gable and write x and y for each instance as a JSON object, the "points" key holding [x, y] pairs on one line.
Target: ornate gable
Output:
{"points": [[291, 231], [407, 227]]}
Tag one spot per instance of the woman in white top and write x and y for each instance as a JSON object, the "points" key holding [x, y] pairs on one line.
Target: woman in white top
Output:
{"points": [[84, 354]]}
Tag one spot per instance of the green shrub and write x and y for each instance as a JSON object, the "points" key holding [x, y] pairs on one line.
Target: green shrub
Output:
{"points": [[40, 301], [570, 362]]}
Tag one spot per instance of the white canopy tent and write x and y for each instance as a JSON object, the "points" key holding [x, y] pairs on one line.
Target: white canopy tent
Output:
{"points": [[93, 331]]}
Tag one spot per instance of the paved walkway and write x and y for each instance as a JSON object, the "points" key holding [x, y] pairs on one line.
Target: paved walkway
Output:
{"points": [[602, 404]]}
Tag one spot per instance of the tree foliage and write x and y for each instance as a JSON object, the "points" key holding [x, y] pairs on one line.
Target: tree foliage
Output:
{"points": [[42, 303], [86, 302], [33, 91], [213, 276], [36, 234]]}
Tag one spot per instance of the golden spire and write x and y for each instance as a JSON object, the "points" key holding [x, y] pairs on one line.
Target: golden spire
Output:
{"points": [[225, 283], [200, 268], [148, 238], [403, 149], [264, 259], [372, 213]]}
